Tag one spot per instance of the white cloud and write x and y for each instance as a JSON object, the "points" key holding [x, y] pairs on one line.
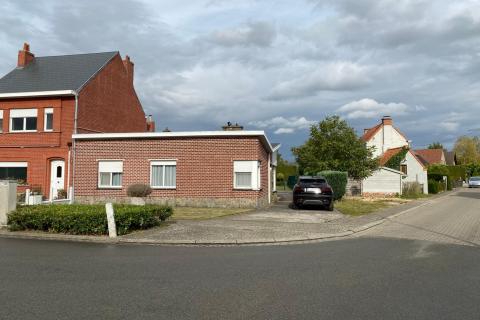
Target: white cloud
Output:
{"points": [[449, 126], [336, 76], [369, 108], [284, 130], [284, 125]]}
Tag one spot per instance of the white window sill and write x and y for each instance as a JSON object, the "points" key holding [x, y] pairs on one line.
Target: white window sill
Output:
{"points": [[22, 131], [246, 188], [163, 188], [110, 187]]}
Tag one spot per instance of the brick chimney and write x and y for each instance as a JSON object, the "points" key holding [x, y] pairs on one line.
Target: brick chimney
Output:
{"points": [[25, 56], [387, 120], [232, 127], [128, 67], [150, 123]]}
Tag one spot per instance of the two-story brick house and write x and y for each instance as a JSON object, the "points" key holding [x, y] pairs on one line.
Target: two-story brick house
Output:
{"points": [[44, 100]]}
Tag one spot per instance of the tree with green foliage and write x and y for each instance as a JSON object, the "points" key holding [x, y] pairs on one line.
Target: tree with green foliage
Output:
{"points": [[467, 150], [285, 167], [435, 145], [334, 145]]}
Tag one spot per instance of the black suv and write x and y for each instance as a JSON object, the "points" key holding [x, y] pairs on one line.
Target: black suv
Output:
{"points": [[313, 190]]}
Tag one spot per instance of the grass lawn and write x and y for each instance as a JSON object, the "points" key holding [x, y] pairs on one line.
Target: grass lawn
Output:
{"points": [[187, 213], [359, 207]]}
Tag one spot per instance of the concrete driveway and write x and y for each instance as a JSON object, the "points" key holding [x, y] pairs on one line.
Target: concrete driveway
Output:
{"points": [[277, 223]]}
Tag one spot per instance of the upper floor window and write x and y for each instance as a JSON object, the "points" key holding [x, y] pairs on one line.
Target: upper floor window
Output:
{"points": [[23, 120], [48, 119], [1, 121]]}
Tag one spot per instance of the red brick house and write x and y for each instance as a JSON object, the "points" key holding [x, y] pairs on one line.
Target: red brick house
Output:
{"points": [[44, 100], [209, 168]]}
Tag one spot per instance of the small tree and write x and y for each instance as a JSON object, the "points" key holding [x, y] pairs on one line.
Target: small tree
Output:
{"points": [[435, 145], [467, 150], [333, 145]]}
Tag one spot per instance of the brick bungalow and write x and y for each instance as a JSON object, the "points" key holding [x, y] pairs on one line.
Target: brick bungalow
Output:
{"points": [[44, 100], [229, 168]]}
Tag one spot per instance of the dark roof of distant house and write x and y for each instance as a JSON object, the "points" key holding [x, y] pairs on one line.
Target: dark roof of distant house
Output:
{"points": [[451, 158], [430, 156], [53, 73]]}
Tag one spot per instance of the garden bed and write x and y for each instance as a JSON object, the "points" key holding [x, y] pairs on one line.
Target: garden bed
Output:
{"points": [[86, 219]]}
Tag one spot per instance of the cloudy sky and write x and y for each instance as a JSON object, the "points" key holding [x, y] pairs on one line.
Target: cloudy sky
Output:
{"points": [[276, 65]]}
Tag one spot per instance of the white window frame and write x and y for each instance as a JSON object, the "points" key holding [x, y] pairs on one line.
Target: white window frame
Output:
{"points": [[5, 164], [115, 164], [162, 163], [47, 111], [1, 122], [22, 114], [247, 166]]}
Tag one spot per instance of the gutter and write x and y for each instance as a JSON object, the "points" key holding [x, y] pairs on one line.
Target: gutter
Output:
{"points": [[37, 94], [75, 128]]}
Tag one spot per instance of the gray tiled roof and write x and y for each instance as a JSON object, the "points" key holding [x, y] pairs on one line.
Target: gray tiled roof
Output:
{"points": [[69, 72]]}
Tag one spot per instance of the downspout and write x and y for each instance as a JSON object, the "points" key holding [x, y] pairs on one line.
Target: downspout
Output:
{"points": [[75, 126], [269, 171]]}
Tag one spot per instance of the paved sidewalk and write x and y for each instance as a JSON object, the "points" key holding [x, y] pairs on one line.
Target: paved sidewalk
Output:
{"points": [[273, 225], [278, 224]]}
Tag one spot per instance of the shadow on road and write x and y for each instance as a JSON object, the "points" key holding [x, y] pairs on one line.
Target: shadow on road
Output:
{"points": [[471, 195]]}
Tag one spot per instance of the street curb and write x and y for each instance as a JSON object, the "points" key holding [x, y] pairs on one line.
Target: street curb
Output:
{"points": [[120, 240]]}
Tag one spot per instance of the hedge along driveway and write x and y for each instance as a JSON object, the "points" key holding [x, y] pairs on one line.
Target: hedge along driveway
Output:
{"points": [[86, 219]]}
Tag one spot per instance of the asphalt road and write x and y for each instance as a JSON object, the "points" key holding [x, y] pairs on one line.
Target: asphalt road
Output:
{"points": [[371, 277]]}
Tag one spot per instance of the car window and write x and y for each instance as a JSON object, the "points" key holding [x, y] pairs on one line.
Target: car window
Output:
{"points": [[313, 181], [475, 179]]}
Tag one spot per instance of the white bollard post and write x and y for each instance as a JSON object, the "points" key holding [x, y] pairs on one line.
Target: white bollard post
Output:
{"points": [[27, 196], [112, 229]]}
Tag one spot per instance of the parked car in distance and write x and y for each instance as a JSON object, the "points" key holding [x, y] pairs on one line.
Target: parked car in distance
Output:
{"points": [[313, 190], [474, 182]]}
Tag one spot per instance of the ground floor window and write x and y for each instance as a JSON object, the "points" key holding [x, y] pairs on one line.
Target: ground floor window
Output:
{"points": [[403, 168], [163, 174], [110, 173], [246, 175], [14, 171]]}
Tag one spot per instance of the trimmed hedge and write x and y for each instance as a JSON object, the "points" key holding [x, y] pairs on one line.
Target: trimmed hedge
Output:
{"points": [[435, 186], [86, 219], [337, 180]]}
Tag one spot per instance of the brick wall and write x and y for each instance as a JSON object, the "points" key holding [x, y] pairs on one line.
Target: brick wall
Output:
{"points": [[38, 148], [109, 103], [204, 168]]}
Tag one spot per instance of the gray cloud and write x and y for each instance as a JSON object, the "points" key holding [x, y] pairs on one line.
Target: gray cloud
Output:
{"points": [[260, 34], [202, 63]]}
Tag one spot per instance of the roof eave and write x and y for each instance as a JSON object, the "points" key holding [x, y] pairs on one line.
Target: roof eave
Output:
{"points": [[37, 94]]}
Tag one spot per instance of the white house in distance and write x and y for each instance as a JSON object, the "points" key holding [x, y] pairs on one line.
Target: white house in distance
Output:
{"points": [[389, 142]]}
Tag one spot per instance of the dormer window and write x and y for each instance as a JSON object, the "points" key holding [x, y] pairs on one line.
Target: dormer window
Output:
{"points": [[23, 120]]}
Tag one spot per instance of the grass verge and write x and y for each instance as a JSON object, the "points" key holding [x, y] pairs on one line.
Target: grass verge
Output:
{"points": [[359, 207], [187, 213]]}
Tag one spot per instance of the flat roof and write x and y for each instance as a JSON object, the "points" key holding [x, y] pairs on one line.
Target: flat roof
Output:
{"points": [[181, 134]]}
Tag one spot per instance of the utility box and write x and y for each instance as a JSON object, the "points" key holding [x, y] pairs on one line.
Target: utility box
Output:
{"points": [[8, 199]]}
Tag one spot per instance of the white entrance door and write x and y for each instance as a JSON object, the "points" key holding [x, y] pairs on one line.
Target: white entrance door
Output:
{"points": [[57, 180]]}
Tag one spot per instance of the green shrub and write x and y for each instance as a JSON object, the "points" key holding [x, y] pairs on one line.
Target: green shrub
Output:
{"points": [[139, 190], [291, 181], [435, 186], [412, 190], [86, 219], [337, 180]]}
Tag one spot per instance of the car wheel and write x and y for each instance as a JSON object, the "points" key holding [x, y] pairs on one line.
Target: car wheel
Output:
{"points": [[330, 206]]}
